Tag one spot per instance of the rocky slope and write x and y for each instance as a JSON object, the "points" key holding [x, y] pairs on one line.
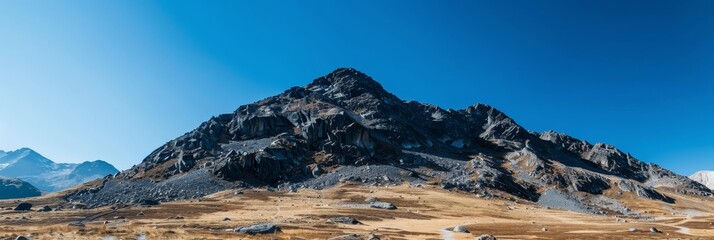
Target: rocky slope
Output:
{"points": [[345, 127], [48, 176], [16, 188], [706, 178]]}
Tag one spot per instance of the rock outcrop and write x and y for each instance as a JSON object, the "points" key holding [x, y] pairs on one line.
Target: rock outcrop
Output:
{"points": [[344, 127]]}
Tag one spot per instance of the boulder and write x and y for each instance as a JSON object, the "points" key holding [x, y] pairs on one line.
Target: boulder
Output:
{"points": [[486, 237], [21, 238], [76, 224], [25, 206], [460, 229], [382, 205], [349, 236], [344, 220], [259, 228]]}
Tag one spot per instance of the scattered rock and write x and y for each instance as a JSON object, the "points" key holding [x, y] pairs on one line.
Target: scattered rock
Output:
{"points": [[226, 219], [344, 220], [460, 229], [654, 230], [632, 230], [372, 237], [45, 209], [21, 238], [349, 236], [76, 224], [25, 206], [119, 217], [371, 199], [543, 229], [177, 217], [259, 228], [486, 237], [141, 213]]}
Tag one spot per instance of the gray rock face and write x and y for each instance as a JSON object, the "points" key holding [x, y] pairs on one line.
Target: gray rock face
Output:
{"points": [[16, 188], [344, 127], [643, 191]]}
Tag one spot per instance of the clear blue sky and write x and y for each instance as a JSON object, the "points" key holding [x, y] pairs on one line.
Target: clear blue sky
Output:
{"points": [[114, 80]]}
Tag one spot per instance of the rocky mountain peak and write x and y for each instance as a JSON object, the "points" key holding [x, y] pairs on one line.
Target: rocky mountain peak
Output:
{"points": [[344, 84], [348, 79], [345, 126]]}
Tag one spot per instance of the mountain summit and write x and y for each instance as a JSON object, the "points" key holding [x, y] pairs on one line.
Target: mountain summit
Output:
{"points": [[344, 127]]}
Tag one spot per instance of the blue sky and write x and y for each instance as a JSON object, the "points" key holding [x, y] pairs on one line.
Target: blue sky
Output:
{"points": [[114, 80]]}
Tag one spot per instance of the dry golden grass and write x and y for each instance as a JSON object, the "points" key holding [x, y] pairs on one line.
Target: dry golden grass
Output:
{"points": [[423, 213]]}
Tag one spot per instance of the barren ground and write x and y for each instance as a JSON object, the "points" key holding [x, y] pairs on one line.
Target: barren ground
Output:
{"points": [[423, 213]]}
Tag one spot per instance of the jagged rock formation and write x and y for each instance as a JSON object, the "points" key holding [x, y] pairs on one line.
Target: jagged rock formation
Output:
{"points": [[16, 188], [346, 127], [48, 176]]}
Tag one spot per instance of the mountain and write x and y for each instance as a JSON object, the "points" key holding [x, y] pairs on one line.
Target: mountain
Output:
{"points": [[704, 177], [345, 127], [16, 188], [48, 176]]}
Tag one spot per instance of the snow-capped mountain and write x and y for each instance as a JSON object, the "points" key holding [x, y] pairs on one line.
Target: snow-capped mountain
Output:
{"points": [[704, 177], [48, 176]]}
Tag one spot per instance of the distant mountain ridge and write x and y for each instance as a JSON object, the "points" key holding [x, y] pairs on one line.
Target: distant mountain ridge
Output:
{"points": [[16, 188], [704, 177], [48, 176]]}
